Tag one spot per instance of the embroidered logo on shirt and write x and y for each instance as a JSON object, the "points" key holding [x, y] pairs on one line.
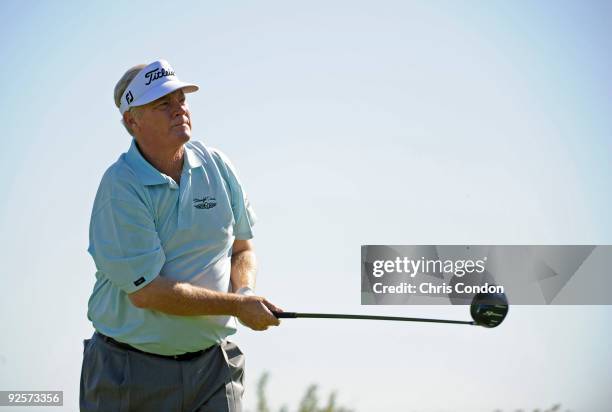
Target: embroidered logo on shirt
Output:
{"points": [[207, 202], [139, 281]]}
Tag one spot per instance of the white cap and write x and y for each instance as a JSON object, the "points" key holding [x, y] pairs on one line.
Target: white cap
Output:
{"points": [[151, 83]]}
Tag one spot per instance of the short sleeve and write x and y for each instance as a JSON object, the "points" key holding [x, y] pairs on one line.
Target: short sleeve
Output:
{"points": [[124, 244], [244, 215]]}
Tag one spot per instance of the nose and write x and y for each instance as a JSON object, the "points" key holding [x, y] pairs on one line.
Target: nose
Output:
{"points": [[179, 108]]}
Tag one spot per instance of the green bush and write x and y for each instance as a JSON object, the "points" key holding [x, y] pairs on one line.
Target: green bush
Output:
{"points": [[309, 402]]}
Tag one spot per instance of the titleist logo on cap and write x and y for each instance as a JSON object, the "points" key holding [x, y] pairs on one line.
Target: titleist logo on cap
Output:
{"points": [[157, 74]]}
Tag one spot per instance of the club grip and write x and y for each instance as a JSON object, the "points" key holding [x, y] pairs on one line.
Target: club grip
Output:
{"points": [[280, 315]]}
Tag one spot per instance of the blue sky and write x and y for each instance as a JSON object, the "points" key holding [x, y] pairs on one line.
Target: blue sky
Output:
{"points": [[350, 123]]}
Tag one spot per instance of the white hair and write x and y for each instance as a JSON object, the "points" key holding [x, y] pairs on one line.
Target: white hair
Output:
{"points": [[120, 87]]}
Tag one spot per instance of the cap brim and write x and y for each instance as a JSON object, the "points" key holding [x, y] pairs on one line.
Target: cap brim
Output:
{"points": [[162, 90]]}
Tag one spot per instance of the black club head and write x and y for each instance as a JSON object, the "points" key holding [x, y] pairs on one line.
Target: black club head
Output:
{"points": [[489, 309]]}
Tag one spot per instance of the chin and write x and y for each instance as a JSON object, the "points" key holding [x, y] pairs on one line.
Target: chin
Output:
{"points": [[184, 137]]}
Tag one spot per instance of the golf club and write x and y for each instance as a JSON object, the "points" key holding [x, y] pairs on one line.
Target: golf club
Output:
{"points": [[487, 309]]}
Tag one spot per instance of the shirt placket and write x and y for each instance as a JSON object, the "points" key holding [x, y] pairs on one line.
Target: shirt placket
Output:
{"points": [[185, 201]]}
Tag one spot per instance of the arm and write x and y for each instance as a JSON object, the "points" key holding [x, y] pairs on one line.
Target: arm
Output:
{"points": [[184, 299], [244, 265]]}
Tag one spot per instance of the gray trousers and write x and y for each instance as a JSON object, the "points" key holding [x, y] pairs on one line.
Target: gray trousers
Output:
{"points": [[116, 379]]}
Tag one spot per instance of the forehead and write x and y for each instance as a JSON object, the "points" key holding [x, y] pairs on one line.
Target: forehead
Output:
{"points": [[177, 94]]}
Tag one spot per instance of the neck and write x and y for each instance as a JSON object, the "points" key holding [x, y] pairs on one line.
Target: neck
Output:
{"points": [[167, 160]]}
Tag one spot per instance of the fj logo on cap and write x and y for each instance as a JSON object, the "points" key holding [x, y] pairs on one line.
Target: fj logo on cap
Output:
{"points": [[129, 97], [157, 74]]}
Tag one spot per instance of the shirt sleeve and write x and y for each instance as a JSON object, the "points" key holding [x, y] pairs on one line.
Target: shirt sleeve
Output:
{"points": [[124, 244], [244, 215]]}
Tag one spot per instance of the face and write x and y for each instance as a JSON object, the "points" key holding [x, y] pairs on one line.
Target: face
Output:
{"points": [[164, 123]]}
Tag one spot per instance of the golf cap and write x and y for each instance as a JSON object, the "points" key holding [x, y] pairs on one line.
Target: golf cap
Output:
{"points": [[151, 83]]}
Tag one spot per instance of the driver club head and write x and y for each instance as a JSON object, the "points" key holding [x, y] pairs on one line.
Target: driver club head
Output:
{"points": [[489, 309]]}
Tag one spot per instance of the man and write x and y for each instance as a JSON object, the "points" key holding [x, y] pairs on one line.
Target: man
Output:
{"points": [[170, 236]]}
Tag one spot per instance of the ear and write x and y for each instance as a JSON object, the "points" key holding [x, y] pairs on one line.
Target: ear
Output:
{"points": [[130, 120]]}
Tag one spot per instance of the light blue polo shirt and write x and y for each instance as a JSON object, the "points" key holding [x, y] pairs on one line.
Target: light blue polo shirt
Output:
{"points": [[143, 225]]}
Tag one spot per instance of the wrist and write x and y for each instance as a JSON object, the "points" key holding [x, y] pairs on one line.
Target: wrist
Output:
{"points": [[246, 291], [238, 303]]}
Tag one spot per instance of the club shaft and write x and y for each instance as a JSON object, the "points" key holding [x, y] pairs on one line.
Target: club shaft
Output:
{"points": [[293, 315]]}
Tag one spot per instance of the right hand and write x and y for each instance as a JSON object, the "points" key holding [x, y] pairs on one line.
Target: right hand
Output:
{"points": [[255, 312]]}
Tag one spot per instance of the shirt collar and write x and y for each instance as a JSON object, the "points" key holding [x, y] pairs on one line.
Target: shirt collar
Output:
{"points": [[192, 160], [148, 174]]}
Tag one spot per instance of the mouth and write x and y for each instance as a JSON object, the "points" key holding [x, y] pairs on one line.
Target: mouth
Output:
{"points": [[184, 122]]}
